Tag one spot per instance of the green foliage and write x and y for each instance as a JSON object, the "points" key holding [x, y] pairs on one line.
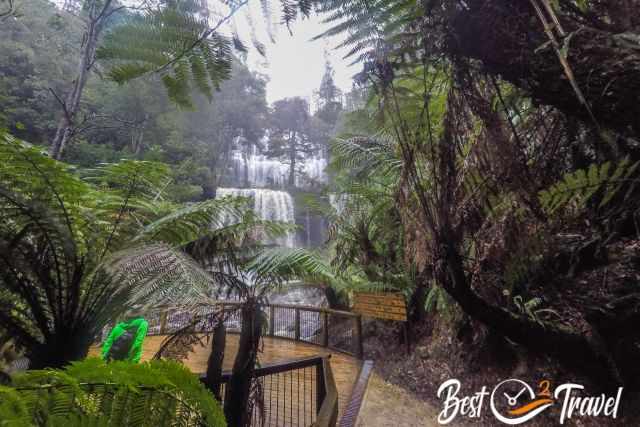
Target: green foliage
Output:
{"points": [[437, 299], [173, 42], [532, 308], [13, 410], [363, 156], [581, 186], [74, 249], [178, 43], [279, 264], [371, 27], [38, 47], [92, 392]]}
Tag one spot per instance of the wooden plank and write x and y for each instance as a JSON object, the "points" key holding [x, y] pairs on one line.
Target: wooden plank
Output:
{"points": [[385, 305], [388, 303], [379, 308]]}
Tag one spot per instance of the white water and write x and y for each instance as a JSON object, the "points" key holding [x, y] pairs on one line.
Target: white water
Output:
{"points": [[270, 205], [258, 171]]}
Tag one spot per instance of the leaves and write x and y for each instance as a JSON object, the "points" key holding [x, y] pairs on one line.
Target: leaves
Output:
{"points": [[174, 43], [580, 186], [282, 263], [94, 393]]}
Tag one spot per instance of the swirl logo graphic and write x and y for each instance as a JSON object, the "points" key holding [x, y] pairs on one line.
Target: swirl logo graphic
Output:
{"points": [[506, 396]]}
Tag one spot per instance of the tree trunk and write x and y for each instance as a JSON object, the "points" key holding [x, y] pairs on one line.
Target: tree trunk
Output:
{"points": [[509, 39], [60, 349], [71, 104], [236, 402], [417, 312], [213, 378], [571, 348]]}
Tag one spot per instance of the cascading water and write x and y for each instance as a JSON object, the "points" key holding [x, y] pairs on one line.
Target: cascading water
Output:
{"points": [[254, 175], [258, 171], [270, 205]]}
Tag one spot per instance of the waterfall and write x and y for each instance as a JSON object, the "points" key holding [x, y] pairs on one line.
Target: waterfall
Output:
{"points": [[271, 205], [258, 171], [313, 170]]}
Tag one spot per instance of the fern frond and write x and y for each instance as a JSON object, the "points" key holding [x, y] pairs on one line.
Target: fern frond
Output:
{"points": [[581, 185]]}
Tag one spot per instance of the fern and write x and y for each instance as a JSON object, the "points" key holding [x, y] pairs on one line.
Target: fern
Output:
{"points": [[437, 299], [92, 392], [580, 186], [175, 43], [75, 250], [178, 44]]}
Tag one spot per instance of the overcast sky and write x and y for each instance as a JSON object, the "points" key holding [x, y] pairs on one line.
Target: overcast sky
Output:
{"points": [[294, 63]]}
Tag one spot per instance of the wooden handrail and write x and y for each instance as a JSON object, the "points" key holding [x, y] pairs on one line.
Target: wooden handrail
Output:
{"points": [[328, 414], [352, 345], [326, 390], [290, 306]]}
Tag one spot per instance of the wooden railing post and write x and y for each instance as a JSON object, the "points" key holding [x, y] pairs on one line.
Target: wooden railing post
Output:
{"points": [[272, 320], [321, 387], [163, 322], [297, 324], [358, 330], [325, 329]]}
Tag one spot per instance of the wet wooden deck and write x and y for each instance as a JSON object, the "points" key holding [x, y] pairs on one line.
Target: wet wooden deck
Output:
{"points": [[345, 368]]}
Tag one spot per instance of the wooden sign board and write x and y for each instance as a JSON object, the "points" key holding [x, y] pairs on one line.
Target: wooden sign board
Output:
{"points": [[383, 305]]}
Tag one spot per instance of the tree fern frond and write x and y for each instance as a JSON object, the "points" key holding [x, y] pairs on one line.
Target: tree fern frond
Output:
{"points": [[286, 263], [159, 274], [581, 185]]}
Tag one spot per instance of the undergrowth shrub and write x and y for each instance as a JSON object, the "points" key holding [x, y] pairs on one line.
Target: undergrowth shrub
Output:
{"points": [[94, 393]]}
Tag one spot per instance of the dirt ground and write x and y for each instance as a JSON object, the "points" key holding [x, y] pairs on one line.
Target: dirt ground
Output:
{"points": [[388, 405]]}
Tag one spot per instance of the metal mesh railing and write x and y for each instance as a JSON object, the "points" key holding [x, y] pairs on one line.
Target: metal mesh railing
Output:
{"points": [[288, 394]]}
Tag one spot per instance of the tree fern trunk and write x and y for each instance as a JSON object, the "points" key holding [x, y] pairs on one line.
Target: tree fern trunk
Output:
{"points": [[571, 348], [236, 400], [214, 363], [510, 41]]}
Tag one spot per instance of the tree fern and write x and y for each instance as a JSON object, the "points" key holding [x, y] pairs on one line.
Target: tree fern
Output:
{"points": [[74, 251], [147, 394], [580, 186], [178, 43], [175, 43]]}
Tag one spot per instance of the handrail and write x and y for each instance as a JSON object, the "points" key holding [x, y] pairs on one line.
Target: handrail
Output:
{"points": [[326, 392], [291, 306], [328, 414], [335, 329], [279, 367]]}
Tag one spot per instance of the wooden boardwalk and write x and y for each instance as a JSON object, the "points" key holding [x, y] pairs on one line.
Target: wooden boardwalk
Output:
{"points": [[345, 368]]}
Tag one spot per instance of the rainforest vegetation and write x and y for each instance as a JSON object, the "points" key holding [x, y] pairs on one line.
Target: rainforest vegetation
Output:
{"points": [[484, 163]]}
